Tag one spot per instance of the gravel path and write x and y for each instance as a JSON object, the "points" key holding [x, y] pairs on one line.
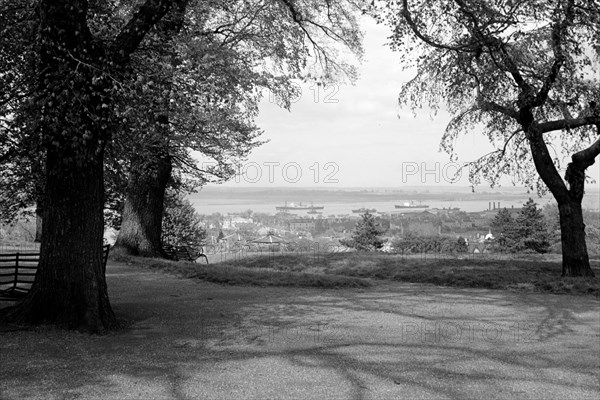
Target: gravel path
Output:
{"points": [[196, 340]]}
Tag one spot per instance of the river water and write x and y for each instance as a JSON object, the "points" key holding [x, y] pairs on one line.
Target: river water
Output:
{"points": [[230, 203]]}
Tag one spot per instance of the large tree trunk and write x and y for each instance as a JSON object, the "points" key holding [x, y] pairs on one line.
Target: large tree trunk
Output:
{"points": [[575, 259], [70, 287], [74, 99], [574, 249], [141, 229]]}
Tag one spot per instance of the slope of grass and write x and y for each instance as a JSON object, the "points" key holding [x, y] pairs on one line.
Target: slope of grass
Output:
{"points": [[340, 270], [515, 274], [241, 275]]}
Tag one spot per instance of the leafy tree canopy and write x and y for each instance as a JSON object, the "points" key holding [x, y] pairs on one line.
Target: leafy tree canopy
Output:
{"points": [[500, 66]]}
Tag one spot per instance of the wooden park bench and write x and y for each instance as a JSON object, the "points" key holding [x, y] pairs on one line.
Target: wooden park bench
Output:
{"points": [[17, 272], [183, 253]]}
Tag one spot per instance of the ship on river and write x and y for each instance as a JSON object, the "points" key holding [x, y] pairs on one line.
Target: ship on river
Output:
{"points": [[298, 207], [411, 204]]}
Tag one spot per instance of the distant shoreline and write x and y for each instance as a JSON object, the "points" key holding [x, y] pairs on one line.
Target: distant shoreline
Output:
{"points": [[342, 201], [403, 188], [423, 189]]}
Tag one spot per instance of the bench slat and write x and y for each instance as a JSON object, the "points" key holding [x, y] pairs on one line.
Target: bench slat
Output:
{"points": [[182, 253], [16, 263]]}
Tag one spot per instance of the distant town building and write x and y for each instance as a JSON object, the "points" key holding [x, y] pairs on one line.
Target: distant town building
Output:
{"points": [[301, 225], [232, 222]]}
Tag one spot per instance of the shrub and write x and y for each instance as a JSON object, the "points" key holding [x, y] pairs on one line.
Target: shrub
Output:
{"points": [[181, 223], [429, 244]]}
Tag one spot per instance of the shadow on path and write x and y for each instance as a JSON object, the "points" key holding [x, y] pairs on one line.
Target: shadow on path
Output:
{"points": [[189, 340]]}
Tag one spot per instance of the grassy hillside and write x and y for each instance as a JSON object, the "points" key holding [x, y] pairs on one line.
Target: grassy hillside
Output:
{"points": [[363, 269]]}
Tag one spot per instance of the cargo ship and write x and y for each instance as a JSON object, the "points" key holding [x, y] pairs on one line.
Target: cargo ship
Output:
{"points": [[411, 205], [298, 207]]}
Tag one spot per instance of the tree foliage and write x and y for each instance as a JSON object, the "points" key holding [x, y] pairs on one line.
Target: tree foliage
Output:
{"points": [[532, 229], [366, 235], [528, 232], [181, 223], [21, 157], [505, 231], [429, 244]]}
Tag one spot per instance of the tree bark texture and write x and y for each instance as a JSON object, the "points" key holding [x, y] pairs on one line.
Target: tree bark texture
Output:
{"points": [[70, 287], [141, 229], [38, 172], [574, 249]]}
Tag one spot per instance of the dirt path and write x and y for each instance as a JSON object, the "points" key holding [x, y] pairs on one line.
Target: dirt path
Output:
{"points": [[195, 340]]}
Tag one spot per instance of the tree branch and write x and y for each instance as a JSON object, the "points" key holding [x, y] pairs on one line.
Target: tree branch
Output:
{"points": [[586, 157], [545, 165], [575, 174], [568, 124], [413, 26], [485, 105], [321, 53], [128, 40], [298, 19], [509, 139], [558, 32]]}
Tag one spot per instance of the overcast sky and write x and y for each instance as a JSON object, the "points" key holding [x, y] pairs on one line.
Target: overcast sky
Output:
{"points": [[356, 136]]}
